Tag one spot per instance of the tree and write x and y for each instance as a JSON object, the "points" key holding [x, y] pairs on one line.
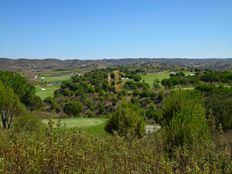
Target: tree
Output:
{"points": [[33, 102], [127, 120], [20, 87], [73, 108], [10, 106], [137, 78], [167, 83], [156, 84], [53, 105], [185, 119], [210, 77], [219, 107], [152, 113]]}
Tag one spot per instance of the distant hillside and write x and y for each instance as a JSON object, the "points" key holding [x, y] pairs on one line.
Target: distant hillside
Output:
{"points": [[52, 64]]}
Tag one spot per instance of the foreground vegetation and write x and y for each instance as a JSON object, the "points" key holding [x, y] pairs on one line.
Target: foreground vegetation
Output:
{"points": [[195, 134], [58, 152]]}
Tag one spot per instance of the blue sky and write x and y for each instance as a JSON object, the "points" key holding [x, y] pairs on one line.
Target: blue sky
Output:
{"points": [[89, 29]]}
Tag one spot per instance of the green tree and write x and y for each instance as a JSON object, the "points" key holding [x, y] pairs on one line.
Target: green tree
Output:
{"points": [[21, 87], [167, 83], [127, 120], [210, 77], [73, 108], [53, 105], [137, 78], [219, 107], [185, 118], [156, 84], [10, 106]]}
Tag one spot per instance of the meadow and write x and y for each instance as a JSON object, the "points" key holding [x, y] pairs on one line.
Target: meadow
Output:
{"points": [[150, 77], [92, 126], [52, 83]]}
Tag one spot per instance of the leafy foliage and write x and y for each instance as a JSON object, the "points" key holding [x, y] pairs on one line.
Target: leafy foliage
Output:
{"points": [[21, 87], [127, 120], [75, 152], [73, 108], [10, 105], [218, 104], [185, 119], [29, 123]]}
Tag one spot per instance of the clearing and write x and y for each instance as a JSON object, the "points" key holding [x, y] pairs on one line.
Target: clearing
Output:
{"points": [[150, 77], [94, 126], [52, 83]]}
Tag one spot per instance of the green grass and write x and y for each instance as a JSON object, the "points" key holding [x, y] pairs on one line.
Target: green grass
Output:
{"points": [[94, 126], [150, 77], [57, 79], [53, 84], [49, 92]]}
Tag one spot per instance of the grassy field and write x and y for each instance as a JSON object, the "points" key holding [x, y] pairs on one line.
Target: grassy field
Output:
{"points": [[53, 83], [150, 77], [57, 79], [94, 126]]}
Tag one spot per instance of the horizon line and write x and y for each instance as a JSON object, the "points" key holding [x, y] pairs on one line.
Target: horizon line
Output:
{"points": [[111, 58]]}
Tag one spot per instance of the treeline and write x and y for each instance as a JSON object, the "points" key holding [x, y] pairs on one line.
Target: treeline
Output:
{"points": [[209, 77]]}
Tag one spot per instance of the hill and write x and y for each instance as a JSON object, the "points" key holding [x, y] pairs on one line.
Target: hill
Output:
{"points": [[56, 64]]}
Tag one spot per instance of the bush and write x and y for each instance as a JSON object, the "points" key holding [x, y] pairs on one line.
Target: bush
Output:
{"points": [[152, 113], [219, 107], [187, 123], [28, 124], [73, 108], [53, 105], [127, 120]]}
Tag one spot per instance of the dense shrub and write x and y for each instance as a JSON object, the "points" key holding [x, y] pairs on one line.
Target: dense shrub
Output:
{"points": [[21, 87], [186, 123], [127, 120], [73, 108], [218, 102], [152, 113], [220, 108], [28, 123], [52, 104], [75, 152]]}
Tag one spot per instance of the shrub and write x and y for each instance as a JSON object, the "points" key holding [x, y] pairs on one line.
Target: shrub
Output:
{"points": [[28, 124], [53, 105], [187, 123], [127, 120], [219, 107], [152, 113], [73, 108]]}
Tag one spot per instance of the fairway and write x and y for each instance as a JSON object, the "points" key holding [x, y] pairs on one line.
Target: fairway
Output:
{"points": [[57, 79], [89, 125], [150, 77], [48, 92], [53, 83]]}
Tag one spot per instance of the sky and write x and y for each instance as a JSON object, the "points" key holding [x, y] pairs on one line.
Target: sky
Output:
{"points": [[95, 29]]}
